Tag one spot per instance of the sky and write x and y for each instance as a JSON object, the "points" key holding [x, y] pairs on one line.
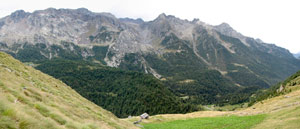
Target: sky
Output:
{"points": [[273, 21]]}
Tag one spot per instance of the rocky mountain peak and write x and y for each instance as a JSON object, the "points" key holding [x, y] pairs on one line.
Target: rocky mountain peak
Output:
{"points": [[64, 12], [259, 40], [162, 16], [50, 9], [225, 27], [19, 14], [195, 20], [173, 43], [83, 10], [137, 21], [55, 25]]}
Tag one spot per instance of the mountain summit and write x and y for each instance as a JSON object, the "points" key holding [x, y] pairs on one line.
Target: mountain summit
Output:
{"points": [[196, 59]]}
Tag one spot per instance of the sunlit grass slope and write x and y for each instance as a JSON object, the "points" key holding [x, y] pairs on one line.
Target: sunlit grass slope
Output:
{"points": [[30, 99]]}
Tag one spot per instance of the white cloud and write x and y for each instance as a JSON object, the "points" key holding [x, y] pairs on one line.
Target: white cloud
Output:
{"points": [[273, 21]]}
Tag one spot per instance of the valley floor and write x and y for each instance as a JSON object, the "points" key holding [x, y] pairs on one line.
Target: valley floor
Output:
{"points": [[281, 112]]}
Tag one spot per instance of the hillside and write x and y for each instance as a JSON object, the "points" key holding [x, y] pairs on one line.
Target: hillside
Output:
{"points": [[205, 63], [282, 112], [124, 93], [30, 99]]}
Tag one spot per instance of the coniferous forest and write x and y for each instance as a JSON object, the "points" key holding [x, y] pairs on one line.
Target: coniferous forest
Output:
{"points": [[122, 92]]}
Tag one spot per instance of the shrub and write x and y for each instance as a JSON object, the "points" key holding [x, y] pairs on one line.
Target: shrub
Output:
{"points": [[9, 112], [43, 110], [71, 126], [7, 123], [1, 84], [25, 124], [58, 119]]}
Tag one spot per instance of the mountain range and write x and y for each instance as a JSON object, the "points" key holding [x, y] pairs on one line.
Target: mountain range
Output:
{"points": [[206, 64]]}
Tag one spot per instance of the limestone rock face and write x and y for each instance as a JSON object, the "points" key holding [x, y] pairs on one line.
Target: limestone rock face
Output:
{"points": [[128, 43]]}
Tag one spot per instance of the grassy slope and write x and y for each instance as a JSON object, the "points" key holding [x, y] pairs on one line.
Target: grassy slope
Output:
{"points": [[30, 99], [283, 111], [280, 112]]}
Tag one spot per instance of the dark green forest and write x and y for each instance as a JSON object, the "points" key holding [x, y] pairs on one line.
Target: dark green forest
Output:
{"points": [[122, 92]]}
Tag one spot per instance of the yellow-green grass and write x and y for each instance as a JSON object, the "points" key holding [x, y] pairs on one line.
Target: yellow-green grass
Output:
{"points": [[225, 122], [283, 111], [30, 99], [288, 118]]}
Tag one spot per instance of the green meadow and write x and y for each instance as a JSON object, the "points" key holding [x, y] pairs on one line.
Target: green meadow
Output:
{"points": [[224, 122]]}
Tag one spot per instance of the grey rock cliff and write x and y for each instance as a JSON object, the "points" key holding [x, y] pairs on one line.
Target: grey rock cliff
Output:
{"points": [[218, 47]]}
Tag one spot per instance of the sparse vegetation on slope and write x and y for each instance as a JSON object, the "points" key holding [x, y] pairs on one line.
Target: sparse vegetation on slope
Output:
{"points": [[30, 99], [276, 90]]}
